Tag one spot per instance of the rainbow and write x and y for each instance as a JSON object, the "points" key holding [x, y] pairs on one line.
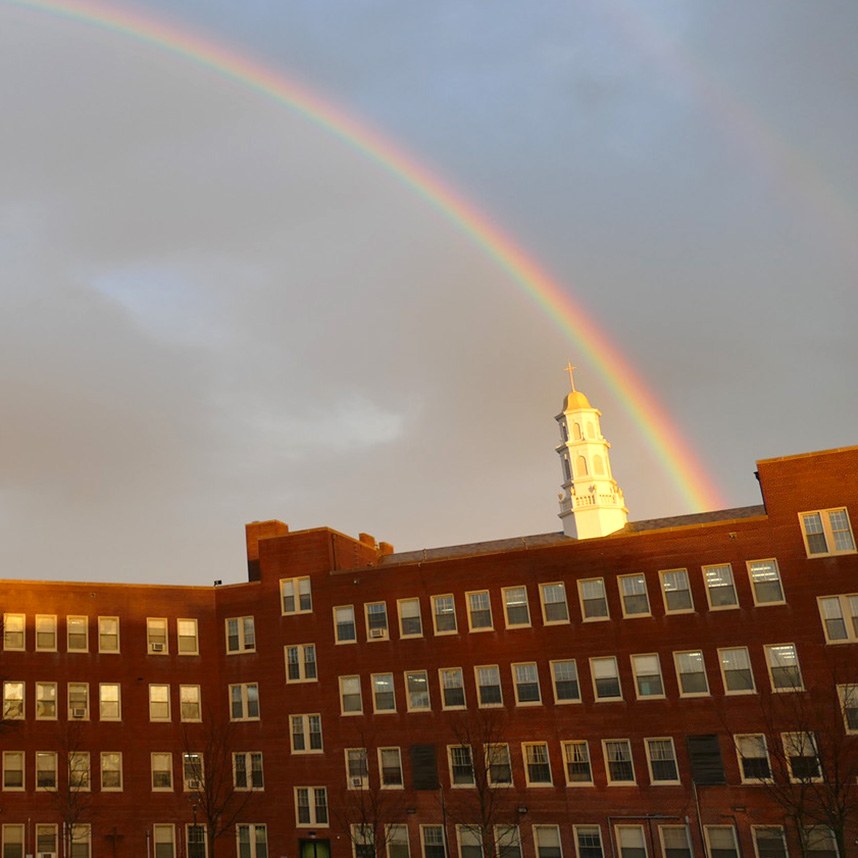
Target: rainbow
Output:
{"points": [[684, 469]]}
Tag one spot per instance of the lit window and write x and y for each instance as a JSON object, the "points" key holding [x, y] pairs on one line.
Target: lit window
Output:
{"points": [[189, 703], [244, 702], [588, 839], [661, 758], [159, 702], [444, 614], [186, 632], [410, 620], [647, 671], [397, 841], [452, 688], [46, 839], [252, 841], [766, 582], [432, 839], [736, 670], [247, 771], [300, 663], [784, 669], [111, 771], [164, 841], [536, 763], [576, 760], [479, 611], [594, 604], [357, 769], [46, 770], [13, 770], [606, 678], [498, 764], [564, 675], [827, 531], [676, 590], [156, 635], [547, 840], [80, 838], [470, 842], [46, 633], [306, 733], [675, 842], [554, 607], [13, 841], [351, 702], [633, 593], [13, 631], [848, 695], [839, 618], [819, 842], [77, 634], [720, 589], [461, 765], [13, 701], [507, 841], [390, 768], [526, 683], [376, 621], [78, 693], [109, 701], [753, 755], [192, 771], [631, 841], [618, 761], [383, 696], [108, 634], [79, 778], [488, 685], [417, 688], [721, 841], [691, 673], [345, 630], [46, 701], [240, 635], [311, 806], [515, 607], [295, 596], [802, 757], [162, 771]]}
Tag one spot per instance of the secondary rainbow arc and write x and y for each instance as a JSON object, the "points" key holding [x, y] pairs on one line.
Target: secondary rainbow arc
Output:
{"points": [[686, 472]]}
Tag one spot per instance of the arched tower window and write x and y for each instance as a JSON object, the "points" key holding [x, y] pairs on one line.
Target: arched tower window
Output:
{"points": [[591, 432], [576, 431], [581, 466], [598, 465]]}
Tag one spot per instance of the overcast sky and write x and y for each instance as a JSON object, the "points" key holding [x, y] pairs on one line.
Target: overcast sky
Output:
{"points": [[213, 311]]}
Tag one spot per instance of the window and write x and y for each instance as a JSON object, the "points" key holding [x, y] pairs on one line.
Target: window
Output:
{"points": [[444, 614], [594, 605], [46, 839], [631, 841], [564, 675], [13, 700], [357, 768], [547, 841], [13, 770], [827, 531], [13, 841], [188, 640], [311, 806], [691, 673], [240, 635], [675, 842], [802, 757], [79, 778], [13, 631], [162, 770], [77, 634], [383, 697], [736, 670], [390, 768], [196, 841], [526, 683], [766, 582], [661, 757], [156, 635], [488, 685], [508, 841], [300, 662], [111, 771], [247, 771], [410, 620], [376, 621], [109, 701], [461, 765], [80, 838], [498, 764], [676, 591], [164, 841], [46, 633], [606, 678], [721, 841], [618, 761], [159, 702], [536, 765], [244, 702], [306, 733], [470, 842], [479, 611], [295, 596], [647, 671], [252, 841], [397, 842], [351, 702], [46, 770], [515, 606], [417, 689], [432, 838], [345, 630], [576, 760], [784, 669], [46, 701], [108, 634], [452, 688], [753, 755], [819, 842], [554, 607], [363, 840], [839, 618], [769, 841], [848, 695], [633, 593], [720, 589], [189, 703], [588, 839], [78, 700]]}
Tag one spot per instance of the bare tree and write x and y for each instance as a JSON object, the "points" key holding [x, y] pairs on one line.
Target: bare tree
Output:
{"points": [[72, 793]]}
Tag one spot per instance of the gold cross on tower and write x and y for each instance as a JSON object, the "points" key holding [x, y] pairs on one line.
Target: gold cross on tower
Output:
{"points": [[570, 369]]}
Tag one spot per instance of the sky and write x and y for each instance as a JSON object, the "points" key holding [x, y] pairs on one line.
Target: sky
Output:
{"points": [[214, 309]]}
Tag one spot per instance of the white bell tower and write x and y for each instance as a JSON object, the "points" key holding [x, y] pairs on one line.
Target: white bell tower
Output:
{"points": [[591, 503]]}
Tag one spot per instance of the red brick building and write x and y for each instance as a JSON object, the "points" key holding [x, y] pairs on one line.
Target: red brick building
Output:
{"points": [[664, 690]]}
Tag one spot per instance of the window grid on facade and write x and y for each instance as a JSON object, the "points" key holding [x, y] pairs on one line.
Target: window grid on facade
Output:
{"points": [[357, 768], [827, 531], [594, 603], [13, 700], [721, 841], [111, 771], [164, 840], [546, 838], [488, 682], [311, 806], [720, 587], [417, 690], [433, 841], [187, 637], [766, 583], [526, 682], [193, 771], [675, 841], [507, 841], [351, 700], [79, 771], [306, 733], [157, 642], [516, 607], [251, 840], [295, 596], [754, 764], [410, 618], [848, 696], [633, 595], [78, 699], [376, 621], [444, 614], [736, 671], [452, 687], [802, 757], [13, 770], [479, 611], [247, 770], [606, 678], [77, 634], [564, 676], [661, 757], [46, 701], [162, 770], [108, 634], [691, 673], [839, 618], [461, 765], [769, 841], [784, 669], [244, 701], [588, 841], [631, 842], [46, 770], [190, 706], [383, 695], [300, 662], [536, 763], [554, 606], [646, 668], [676, 590], [345, 630], [46, 632], [159, 702], [576, 759], [109, 701], [240, 635], [390, 768], [618, 761], [498, 764]]}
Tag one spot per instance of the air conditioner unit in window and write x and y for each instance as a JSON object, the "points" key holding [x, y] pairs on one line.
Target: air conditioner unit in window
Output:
{"points": [[156, 647], [357, 783], [47, 855], [78, 712], [377, 633], [193, 783]]}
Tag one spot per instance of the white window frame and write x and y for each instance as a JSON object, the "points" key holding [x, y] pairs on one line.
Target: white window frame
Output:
{"points": [[649, 760], [160, 757], [257, 834], [163, 834], [405, 604], [316, 820], [726, 571], [761, 743], [245, 761], [772, 654], [605, 659], [768, 565], [496, 670], [470, 596], [828, 532], [722, 664], [707, 833], [157, 636], [187, 629], [758, 829], [618, 837], [357, 768], [46, 700], [308, 666], [244, 638], [77, 618], [300, 591], [518, 681], [245, 701], [572, 755], [53, 769], [350, 679], [13, 763], [805, 738], [160, 709], [677, 655], [443, 674], [376, 631], [847, 608], [305, 720], [847, 694], [466, 763], [548, 607], [377, 690], [607, 744], [382, 768], [106, 704], [14, 632], [552, 834], [338, 625], [439, 611], [104, 635], [104, 769], [526, 761], [409, 699], [635, 579], [585, 616], [14, 700], [193, 771], [665, 592], [80, 711], [506, 592], [633, 660], [185, 702], [663, 829], [79, 766], [578, 830], [46, 624], [497, 756], [555, 665]]}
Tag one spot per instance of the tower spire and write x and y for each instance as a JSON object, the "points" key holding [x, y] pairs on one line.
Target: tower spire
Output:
{"points": [[591, 503]]}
